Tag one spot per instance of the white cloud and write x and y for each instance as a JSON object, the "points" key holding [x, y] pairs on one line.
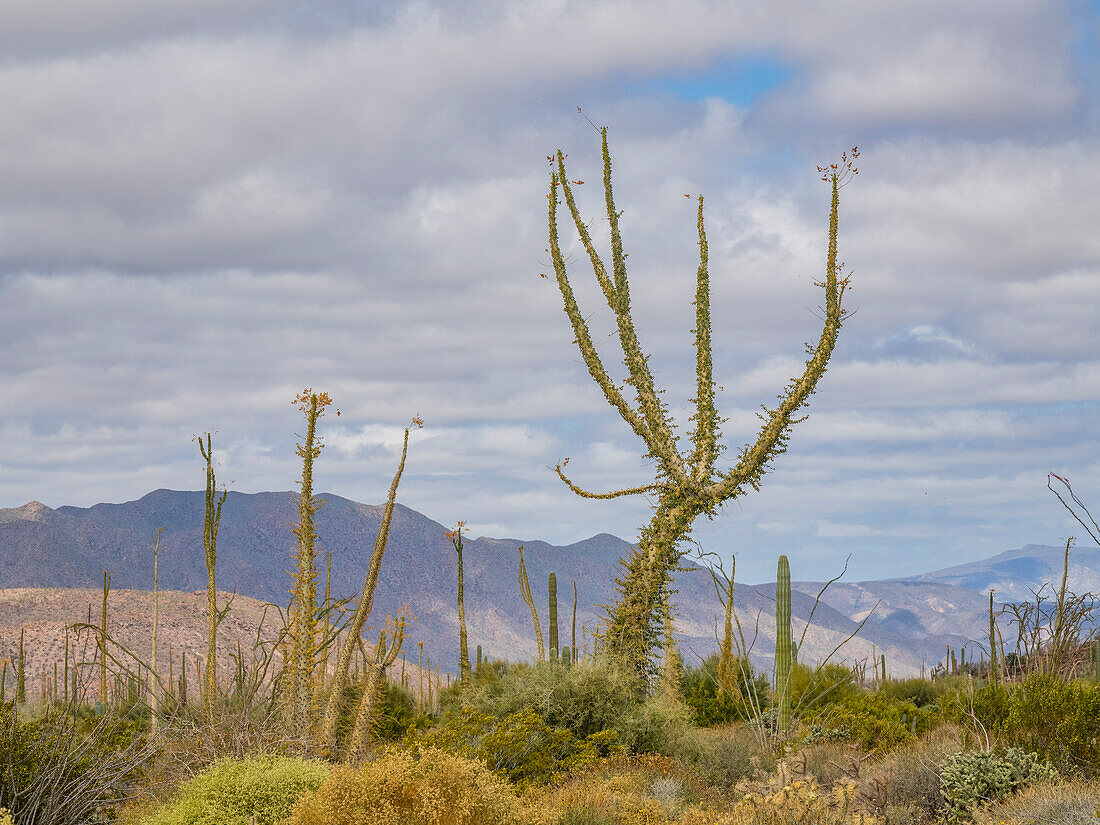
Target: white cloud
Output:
{"points": [[209, 206]]}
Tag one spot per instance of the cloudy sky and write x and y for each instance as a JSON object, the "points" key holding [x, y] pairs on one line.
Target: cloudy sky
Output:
{"points": [[206, 207]]}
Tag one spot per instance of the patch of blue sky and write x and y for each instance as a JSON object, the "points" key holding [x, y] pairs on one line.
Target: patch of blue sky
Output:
{"points": [[1086, 42], [741, 81]]}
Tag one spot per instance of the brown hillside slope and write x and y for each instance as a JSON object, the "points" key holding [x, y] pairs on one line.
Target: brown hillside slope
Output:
{"points": [[44, 613]]}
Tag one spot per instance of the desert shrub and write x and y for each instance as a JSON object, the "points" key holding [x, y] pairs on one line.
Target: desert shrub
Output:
{"points": [[729, 754], [661, 724], [878, 722], [1065, 803], [1059, 720], [5, 817], [627, 789], [908, 778], [260, 790], [395, 713], [52, 773], [431, 787], [970, 779], [522, 747], [921, 692], [826, 762], [709, 703], [813, 688], [593, 696]]}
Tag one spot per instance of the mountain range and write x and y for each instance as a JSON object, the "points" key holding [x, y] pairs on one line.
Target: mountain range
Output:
{"points": [[909, 620]]}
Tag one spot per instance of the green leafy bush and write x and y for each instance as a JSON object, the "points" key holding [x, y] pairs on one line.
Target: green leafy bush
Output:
{"points": [[55, 770], [878, 722], [592, 696], [522, 747], [1059, 720], [726, 755], [429, 787], [921, 692], [813, 688], [712, 705], [260, 789], [971, 779]]}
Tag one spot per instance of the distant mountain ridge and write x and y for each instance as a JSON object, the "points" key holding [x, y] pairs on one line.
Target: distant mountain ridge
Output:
{"points": [[69, 547]]}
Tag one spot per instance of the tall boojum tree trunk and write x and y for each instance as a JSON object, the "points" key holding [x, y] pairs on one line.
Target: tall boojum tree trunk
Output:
{"points": [[211, 521], [687, 485], [303, 650]]}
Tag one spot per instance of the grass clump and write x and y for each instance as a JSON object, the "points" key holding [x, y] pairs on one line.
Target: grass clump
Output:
{"points": [[1066, 803], [253, 791], [905, 784], [430, 787]]}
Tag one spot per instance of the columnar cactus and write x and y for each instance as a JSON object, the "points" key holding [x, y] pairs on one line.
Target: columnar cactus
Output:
{"points": [[552, 587], [686, 485], [463, 653], [573, 639], [783, 641], [525, 591]]}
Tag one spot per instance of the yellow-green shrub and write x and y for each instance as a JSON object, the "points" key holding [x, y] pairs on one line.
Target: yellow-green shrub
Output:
{"points": [[878, 722], [521, 747], [260, 790], [5, 817], [431, 787]]}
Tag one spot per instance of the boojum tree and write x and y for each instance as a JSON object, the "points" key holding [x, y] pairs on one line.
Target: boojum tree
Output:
{"points": [[303, 650], [687, 485], [212, 516], [354, 627]]}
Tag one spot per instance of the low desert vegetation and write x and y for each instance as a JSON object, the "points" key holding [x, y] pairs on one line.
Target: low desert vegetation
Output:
{"points": [[312, 726]]}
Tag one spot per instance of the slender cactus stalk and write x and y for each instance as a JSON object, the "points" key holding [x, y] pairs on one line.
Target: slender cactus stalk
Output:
{"points": [[463, 653], [727, 670], [525, 591], [420, 677], [362, 610], [154, 687], [384, 656], [66, 674], [21, 674], [552, 587], [304, 608], [783, 641], [573, 638], [103, 641], [686, 486], [211, 521]]}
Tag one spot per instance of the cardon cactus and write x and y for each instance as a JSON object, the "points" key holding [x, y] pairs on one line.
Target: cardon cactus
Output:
{"points": [[783, 641], [553, 588]]}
